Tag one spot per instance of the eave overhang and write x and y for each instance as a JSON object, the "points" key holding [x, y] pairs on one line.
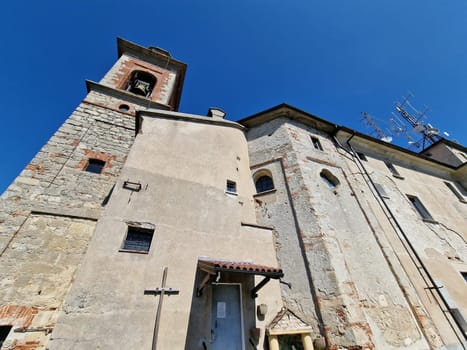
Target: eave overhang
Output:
{"points": [[288, 111], [293, 113], [347, 133], [214, 267], [447, 143], [183, 117]]}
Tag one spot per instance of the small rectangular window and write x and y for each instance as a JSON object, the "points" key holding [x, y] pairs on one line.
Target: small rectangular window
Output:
{"points": [[381, 190], [393, 170], [138, 239], [316, 143], [4, 331], [231, 186], [455, 191], [95, 166], [362, 156], [417, 204]]}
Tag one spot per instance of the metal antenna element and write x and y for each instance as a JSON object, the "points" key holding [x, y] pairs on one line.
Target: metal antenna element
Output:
{"points": [[406, 122], [413, 123], [369, 121]]}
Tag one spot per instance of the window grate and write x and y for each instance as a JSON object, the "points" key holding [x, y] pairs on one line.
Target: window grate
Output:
{"points": [[138, 239]]}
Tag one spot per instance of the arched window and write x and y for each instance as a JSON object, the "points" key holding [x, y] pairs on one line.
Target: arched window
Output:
{"points": [[329, 178], [263, 184], [263, 181], [141, 83]]}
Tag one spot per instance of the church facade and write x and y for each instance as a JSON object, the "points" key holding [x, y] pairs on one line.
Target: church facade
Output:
{"points": [[137, 226]]}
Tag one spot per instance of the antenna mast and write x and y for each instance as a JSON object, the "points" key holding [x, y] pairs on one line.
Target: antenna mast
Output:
{"points": [[414, 118]]}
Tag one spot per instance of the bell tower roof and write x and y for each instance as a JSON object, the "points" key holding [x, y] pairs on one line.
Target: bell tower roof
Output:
{"points": [[146, 53]]}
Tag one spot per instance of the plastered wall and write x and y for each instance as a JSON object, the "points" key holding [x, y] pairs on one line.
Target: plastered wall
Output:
{"points": [[182, 166], [357, 299]]}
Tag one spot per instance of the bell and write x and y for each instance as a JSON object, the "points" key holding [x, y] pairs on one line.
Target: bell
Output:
{"points": [[140, 88]]}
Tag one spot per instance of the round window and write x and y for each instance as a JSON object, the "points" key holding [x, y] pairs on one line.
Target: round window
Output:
{"points": [[123, 108]]}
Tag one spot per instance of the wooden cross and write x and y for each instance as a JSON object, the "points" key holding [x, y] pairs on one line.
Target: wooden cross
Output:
{"points": [[160, 291]]}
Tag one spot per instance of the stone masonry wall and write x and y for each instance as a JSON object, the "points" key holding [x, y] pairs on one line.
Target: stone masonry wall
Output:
{"points": [[37, 271], [48, 214], [55, 178]]}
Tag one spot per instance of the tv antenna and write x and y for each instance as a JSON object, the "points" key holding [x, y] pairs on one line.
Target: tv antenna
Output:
{"points": [[413, 123], [369, 121]]}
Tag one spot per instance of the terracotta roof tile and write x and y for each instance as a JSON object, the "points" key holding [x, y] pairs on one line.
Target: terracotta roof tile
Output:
{"points": [[241, 267]]}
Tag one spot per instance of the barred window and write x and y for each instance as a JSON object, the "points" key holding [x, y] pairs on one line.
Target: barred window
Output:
{"points": [[138, 239]]}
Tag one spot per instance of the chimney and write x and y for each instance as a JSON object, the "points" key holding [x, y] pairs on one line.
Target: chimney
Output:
{"points": [[215, 112]]}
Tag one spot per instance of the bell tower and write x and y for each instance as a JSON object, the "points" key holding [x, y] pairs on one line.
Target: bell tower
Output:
{"points": [[52, 207], [142, 78]]}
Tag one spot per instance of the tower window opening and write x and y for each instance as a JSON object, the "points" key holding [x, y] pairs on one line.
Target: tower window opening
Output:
{"points": [[329, 178], [141, 83], [95, 166]]}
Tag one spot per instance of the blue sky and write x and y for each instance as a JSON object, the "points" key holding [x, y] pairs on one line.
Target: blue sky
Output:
{"points": [[333, 58]]}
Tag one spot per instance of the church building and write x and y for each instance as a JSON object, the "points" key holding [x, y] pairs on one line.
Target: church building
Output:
{"points": [[140, 227]]}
